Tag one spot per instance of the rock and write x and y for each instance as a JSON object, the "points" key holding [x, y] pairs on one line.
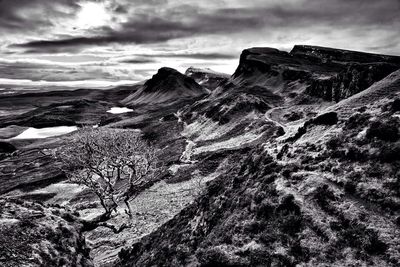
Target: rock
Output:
{"points": [[330, 118]]}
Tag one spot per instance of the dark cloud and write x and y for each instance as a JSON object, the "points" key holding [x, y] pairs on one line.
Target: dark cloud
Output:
{"points": [[188, 21], [196, 55], [25, 15], [145, 59], [145, 30], [138, 61]]}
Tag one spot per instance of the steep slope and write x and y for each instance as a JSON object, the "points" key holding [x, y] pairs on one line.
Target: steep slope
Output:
{"points": [[34, 235], [321, 191], [384, 90], [168, 85]]}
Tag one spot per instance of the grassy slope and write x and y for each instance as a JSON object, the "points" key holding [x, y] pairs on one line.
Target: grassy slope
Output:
{"points": [[329, 198]]}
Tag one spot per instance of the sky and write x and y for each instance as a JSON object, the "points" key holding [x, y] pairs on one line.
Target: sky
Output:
{"points": [[108, 42]]}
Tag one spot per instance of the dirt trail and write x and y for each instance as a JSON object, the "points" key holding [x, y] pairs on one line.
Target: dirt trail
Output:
{"points": [[268, 117]]}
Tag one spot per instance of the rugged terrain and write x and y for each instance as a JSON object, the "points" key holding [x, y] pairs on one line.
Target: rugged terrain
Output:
{"points": [[293, 160]]}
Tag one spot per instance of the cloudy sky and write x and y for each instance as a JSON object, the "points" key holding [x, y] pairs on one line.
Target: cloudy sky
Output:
{"points": [[122, 41]]}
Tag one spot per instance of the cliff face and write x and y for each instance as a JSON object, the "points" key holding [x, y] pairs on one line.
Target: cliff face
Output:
{"points": [[331, 74], [354, 79], [341, 55]]}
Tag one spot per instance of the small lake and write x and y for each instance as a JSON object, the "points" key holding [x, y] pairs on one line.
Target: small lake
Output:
{"points": [[34, 133], [119, 110]]}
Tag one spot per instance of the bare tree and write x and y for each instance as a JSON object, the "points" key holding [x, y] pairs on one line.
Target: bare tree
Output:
{"points": [[114, 164]]}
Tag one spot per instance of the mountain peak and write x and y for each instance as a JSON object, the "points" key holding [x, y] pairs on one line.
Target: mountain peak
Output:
{"points": [[166, 85], [162, 75], [167, 79]]}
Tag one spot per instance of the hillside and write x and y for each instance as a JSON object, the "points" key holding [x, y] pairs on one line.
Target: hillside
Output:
{"points": [[34, 235], [323, 191], [291, 161]]}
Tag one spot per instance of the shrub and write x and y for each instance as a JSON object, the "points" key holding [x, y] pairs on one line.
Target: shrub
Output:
{"points": [[386, 131], [375, 170], [395, 105], [289, 217], [355, 154], [294, 116], [324, 195], [352, 181], [359, 236], [334, 143], [357, 120], [213, 256], [390, 152], [264, 210], [289, 169]]}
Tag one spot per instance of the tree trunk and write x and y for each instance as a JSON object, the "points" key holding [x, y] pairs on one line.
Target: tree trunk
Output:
{"points": [[94, 223], [128, 205]]}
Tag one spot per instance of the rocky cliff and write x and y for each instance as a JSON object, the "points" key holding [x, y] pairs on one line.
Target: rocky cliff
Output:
{"points": [[331, 74]]}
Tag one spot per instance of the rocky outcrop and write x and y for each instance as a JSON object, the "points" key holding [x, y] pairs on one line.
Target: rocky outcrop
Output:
{"points": [[354, 79], [331, 74]]}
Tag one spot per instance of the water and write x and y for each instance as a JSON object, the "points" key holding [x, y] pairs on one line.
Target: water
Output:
{"points": [[34, 133], [119, 110]]}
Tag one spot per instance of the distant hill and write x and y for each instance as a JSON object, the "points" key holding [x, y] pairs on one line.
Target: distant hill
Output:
{"points": [[168, 85]]}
